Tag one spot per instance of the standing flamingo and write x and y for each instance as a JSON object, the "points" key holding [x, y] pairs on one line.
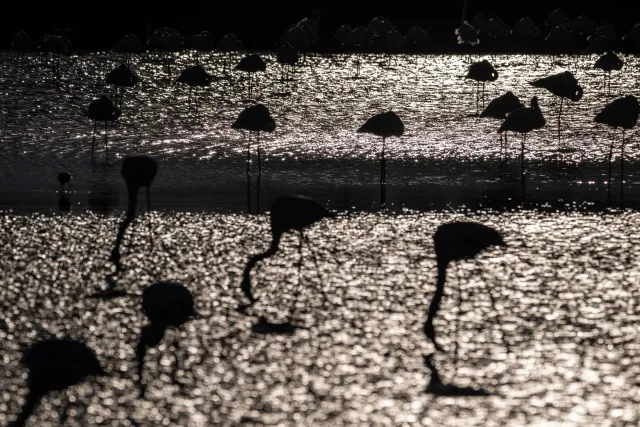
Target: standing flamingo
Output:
{"points": [[103, 110], [138, 171], [229, 44], [166, 305], [195, 76], [524, 120], [251, 64], [55, 365], [255, 118], [499, 107], [288, 57], [481, 72], [21, 43], [386, 125], [128, 45], [622, 112], [563, 85], [453, 242], [288, 213], [63, 178], [121, 76], [608, 62]]}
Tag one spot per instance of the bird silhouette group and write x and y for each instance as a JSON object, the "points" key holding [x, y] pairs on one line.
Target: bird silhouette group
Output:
{"points": [[58, 363]]}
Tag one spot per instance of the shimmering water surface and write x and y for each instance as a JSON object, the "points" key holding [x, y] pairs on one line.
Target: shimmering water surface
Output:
{"points": [[566, 286], [447, 157]]}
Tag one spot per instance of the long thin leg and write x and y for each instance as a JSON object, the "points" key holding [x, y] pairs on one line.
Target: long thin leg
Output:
{"points": [[622, 172], [317, 265], [106, 147], [249, 154], [559, 114], [609, 180], [259, 161], [298, 288], [383, 173], [93, 144]]}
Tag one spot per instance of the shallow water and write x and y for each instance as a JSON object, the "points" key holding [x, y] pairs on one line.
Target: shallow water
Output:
{"points": [[566, 288], [447, 157]]}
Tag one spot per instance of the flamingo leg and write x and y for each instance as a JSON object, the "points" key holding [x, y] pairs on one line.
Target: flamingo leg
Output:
{"points": [[298, 287], [559, 114], [259, 161], [622, 172], [106, 146], [93, 144], [383, 173], [249, 154]]}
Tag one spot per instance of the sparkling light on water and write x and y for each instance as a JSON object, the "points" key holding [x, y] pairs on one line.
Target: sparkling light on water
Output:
{"points": [[566, 288]]}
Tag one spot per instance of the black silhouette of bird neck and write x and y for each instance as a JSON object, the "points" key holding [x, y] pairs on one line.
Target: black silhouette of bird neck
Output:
{"points": [[54, 365], [288, 213], [456, 241], [165, 304]]}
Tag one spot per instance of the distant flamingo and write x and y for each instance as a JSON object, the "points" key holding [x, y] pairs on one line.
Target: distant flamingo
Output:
{"points": [[342, 36], [597, 45], [121, 76], [466, 33], [386, 125], [288, 57], [608, 62], [524, 120], [288, 213], [416, 37], [128, 45], [453, 242], [55, 365], [251, 64], [202, 42], [583, 25], [525, 30], [21, 43], [623, 113], [559, 35], [256, 118], [166, 305], [56, 45], [195, 77], [556, 17], [499, 107], [633, 36], [63, 178], [138, 171], [607, 30], [481, 72], [229, 44], [563, 85], [102, 110]]}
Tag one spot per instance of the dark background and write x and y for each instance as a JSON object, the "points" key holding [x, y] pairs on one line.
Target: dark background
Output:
{"points": [[100, 24]]}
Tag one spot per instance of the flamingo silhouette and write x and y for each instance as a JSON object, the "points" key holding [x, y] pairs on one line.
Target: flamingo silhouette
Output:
{"points": [[288, 213], [166, 305], [55, 365], [255, 118], [21, 43], [563, 85], [195, 76], [524, 120], [607, 63], [229, 44], [623, 113], [288, 57], [251, 64], [438, 388], [121, 77], [453, 242], [499, 107], [128, 45], [386, 125], [103, 110], [481, 72], [138, 171], [63, 178]]}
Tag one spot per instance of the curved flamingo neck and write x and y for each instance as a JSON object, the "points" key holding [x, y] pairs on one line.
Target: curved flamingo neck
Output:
{"points": [[246, 278], [437, 297]]}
